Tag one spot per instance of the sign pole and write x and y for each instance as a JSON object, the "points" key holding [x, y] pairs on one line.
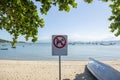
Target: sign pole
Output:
{"points": [[59, 67], [59, 48]]}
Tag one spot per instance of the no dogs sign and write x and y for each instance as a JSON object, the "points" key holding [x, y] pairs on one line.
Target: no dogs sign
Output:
{"points": [[59, 45]]}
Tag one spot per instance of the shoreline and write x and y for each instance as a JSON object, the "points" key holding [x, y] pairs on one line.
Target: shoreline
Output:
{"points": [[58, 60]]}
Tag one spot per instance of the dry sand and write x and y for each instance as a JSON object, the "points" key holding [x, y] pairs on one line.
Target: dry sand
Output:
{"points": [[47, 70]]}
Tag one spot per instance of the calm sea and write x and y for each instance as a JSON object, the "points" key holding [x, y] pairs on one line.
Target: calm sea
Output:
{"points": [[40, 51]]}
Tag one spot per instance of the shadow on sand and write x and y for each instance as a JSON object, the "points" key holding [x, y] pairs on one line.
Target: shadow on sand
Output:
{"points": [[86, 75]]}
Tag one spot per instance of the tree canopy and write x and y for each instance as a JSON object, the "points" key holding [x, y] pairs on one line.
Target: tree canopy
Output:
{"points": [[20, 17]]}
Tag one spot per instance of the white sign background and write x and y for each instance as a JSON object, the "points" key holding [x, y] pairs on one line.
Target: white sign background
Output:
{"points": [[59, 45]]}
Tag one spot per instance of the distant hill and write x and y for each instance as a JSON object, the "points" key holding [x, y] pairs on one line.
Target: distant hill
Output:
{"points": [[6, 41], [3, 41]]}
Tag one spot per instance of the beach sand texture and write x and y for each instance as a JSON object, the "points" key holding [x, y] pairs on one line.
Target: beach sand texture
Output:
{"points": [[47, 70]]}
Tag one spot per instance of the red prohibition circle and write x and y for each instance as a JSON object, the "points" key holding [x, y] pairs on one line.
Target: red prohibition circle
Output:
{"points": [[57, 41]]}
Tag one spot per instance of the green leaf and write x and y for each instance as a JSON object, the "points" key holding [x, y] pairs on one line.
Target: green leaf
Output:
{"points": [[88, 1]]}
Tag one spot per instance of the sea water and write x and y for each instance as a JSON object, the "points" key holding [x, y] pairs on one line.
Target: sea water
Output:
{"points": [[43, 51]]}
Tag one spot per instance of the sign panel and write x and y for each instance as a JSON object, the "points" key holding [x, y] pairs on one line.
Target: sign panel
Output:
{"points": [[59, 45]]}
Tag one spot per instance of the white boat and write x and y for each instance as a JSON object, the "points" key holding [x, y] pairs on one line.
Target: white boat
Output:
{"points": [[102, 71]]}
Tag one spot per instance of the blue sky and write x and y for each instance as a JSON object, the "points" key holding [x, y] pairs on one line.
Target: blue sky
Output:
{"points": [[87, 22]]}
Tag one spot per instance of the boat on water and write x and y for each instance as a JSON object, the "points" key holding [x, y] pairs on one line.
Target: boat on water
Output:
{"points": [[3, 48], [107, 44], [13, 47]]}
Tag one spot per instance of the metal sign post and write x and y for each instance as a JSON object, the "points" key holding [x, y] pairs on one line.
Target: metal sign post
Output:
{"points": [[59, 67], [59, 48]]}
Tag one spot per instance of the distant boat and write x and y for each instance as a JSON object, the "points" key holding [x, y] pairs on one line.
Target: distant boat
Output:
{"points": [[4, 49], [3, 44], [107, 44], [72, 43], [13, 47]]}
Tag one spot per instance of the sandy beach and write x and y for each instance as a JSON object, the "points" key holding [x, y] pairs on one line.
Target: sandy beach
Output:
{"points": [[47, 70]]}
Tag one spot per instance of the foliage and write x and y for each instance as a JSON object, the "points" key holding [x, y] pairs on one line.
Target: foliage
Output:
{"points": [[115, 18], [20, 17]]}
